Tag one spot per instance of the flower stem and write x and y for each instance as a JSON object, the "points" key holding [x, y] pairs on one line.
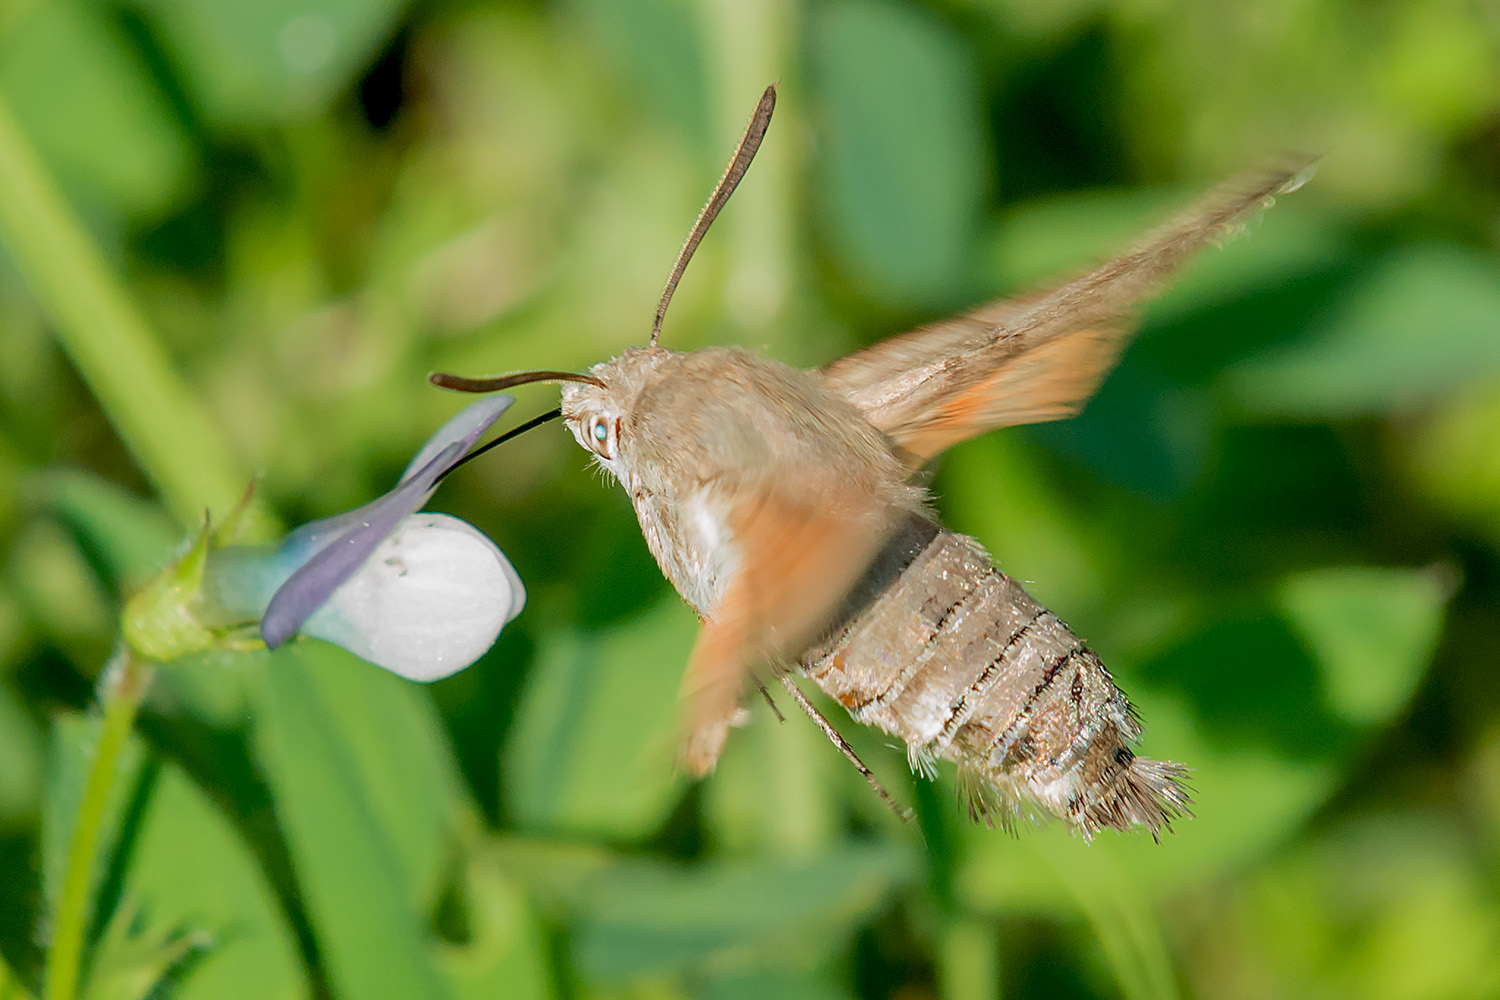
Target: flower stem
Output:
{"points": [[103, 332], [120, 691]]}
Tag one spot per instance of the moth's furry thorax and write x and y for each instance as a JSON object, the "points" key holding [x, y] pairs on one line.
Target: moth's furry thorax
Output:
{"points": [[700, 435]]}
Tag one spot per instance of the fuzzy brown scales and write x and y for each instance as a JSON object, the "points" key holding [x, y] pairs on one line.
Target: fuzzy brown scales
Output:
{"points": [[942, 649]]}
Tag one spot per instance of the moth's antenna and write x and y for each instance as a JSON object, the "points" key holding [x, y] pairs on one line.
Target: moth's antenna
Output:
{"points": [[754, 133], [513, 432], [497, 382]]}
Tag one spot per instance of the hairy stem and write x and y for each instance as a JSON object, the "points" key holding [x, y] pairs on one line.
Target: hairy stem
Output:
{"points": [[120, 691]]}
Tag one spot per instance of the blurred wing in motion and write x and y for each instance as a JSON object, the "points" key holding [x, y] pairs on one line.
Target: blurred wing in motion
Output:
{"points": [[798, 560], [1040, 357]]}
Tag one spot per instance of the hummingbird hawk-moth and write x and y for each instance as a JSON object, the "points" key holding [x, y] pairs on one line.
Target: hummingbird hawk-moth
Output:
{"points": [[786, 508]]}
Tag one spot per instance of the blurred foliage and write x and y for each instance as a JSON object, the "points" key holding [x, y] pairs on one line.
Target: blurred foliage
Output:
{"points": [[1279, 522]]}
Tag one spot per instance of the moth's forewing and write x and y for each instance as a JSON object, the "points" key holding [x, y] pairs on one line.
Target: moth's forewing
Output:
{"points": [[797, 561], [1039, 357]]}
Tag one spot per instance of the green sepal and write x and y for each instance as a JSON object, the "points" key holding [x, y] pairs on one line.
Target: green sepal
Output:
{"points": [[160, 622]]}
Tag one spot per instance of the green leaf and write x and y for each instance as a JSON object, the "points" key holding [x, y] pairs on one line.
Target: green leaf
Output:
{"points": [[1390, 906], [135, 957], [275, 60], [649, 917], [594, 741], [87, 102], [556, 873], [191, 872], [782, 983], [1372, 630], [1038, 22], [1121, 916], [637, 918], [505, 953], [357, 886], [1453, 457], [1419, 325], [1240, 702], [903, 168], [208, 687], [407, 770]]}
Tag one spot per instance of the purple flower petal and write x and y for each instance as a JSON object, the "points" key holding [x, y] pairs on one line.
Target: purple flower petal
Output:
{"points": [[464, 428], [466, 425], [341, 544]]}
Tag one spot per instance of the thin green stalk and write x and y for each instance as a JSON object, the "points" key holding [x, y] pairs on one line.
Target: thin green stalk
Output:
{"points": [[750, 45], [120, 693], [108, 340]]}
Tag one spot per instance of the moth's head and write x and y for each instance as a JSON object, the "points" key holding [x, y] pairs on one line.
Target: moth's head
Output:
{"points": [[598, 412], [598, 406]]}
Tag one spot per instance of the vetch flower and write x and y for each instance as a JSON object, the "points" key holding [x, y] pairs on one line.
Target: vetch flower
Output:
{"points": [[423, 595]]}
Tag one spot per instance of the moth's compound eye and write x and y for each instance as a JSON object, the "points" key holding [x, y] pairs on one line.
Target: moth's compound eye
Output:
{"points": [[597, 437]]}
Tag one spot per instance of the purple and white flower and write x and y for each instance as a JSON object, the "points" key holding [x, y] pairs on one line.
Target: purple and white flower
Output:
{"points": [[422, 595]]}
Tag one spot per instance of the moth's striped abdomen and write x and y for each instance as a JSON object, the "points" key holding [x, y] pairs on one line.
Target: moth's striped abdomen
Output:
{"points": [[940, 648]]}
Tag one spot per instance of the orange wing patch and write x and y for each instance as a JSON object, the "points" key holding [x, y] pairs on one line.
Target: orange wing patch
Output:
{"points": [[798, 561], [1038, 357], [1049, 382]]}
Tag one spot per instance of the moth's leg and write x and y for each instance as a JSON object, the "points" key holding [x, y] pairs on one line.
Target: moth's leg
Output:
{"points": [[837, 740], [761, 686]]}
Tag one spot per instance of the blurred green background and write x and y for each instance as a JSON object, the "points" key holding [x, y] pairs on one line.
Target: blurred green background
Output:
{"points": [[1279, 522]]}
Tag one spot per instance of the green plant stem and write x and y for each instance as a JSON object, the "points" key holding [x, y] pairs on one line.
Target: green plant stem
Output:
{"points": [[120, 692], [110, 344]]}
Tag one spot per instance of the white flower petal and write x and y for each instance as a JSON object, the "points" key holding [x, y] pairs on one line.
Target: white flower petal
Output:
{"points": [[429, 602]]}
